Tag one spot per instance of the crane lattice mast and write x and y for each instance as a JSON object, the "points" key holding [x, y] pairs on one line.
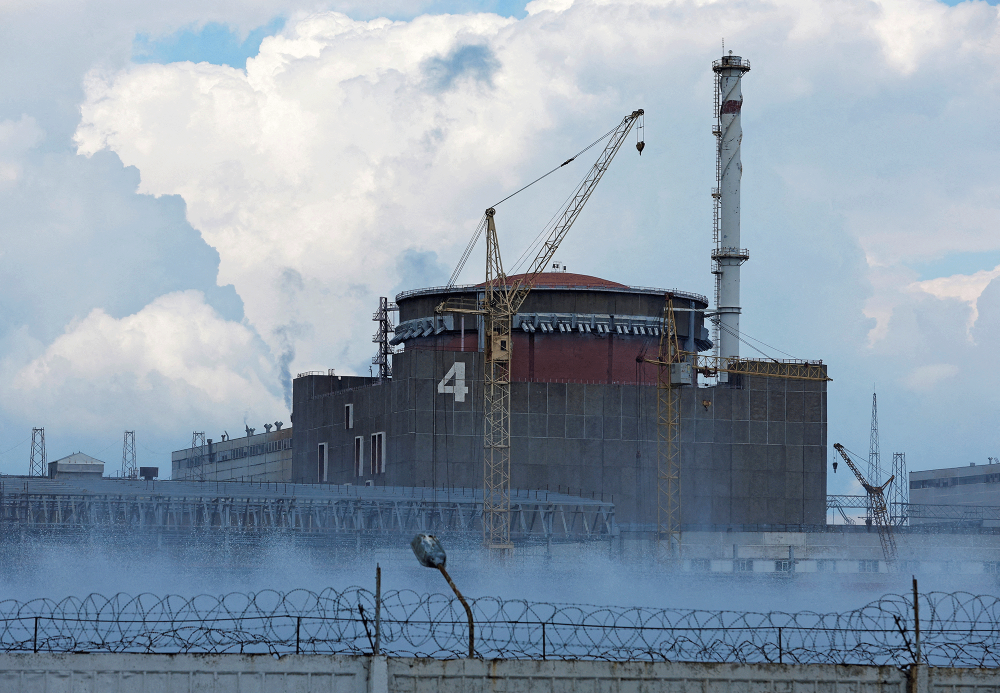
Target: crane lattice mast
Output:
{"points": [[668, 469], [879, 511], [500, 301]]}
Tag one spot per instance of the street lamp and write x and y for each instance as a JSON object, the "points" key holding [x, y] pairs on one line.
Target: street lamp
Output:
{"points": [[430, 553]]}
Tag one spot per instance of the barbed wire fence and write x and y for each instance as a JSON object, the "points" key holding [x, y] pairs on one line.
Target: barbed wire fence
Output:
{"points": [[956, 629]]}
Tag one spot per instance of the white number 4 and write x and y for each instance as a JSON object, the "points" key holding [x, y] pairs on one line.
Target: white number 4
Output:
{"points": [[458, 389]]}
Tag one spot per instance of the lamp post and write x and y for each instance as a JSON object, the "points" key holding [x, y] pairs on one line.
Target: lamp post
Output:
{"points": [[430, 553]]}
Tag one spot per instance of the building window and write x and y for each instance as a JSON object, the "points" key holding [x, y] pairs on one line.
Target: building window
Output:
{"points": [[992, 567], [826, 565], [378, 453], [743, 565], [868, 566], [359, 456], [701, 565], [324, 464], [348, 416], [783, 566]]}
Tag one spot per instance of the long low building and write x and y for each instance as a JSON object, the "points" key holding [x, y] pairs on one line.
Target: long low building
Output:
{"points": [[977, 484], [45, 509], [261, 457], [76, 502]]}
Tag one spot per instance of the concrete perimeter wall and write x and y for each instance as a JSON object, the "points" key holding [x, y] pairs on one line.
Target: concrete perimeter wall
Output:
{"points": [[125, 673]]}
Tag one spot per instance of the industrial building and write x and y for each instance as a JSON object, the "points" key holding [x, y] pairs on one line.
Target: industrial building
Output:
{"points": [[583, 390], [257, 456], [76, 465], [216, 515], [973, 485], [583, 412]]}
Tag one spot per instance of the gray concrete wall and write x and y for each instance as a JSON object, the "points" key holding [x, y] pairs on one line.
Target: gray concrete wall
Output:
{"points": [[755, 455], [138, 673], [976, 484]]}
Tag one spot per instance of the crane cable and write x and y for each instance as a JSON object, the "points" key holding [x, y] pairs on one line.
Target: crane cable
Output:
{"points": [[743, 337], [482, 222]]}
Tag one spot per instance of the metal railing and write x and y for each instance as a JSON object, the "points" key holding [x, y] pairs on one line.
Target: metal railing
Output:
{"points": [[463, 288]]}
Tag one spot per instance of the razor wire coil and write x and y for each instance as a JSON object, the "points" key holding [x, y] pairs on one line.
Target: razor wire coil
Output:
{"points": [[957, 629]]}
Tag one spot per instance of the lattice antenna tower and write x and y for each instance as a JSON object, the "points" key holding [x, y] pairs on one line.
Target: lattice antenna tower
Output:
{"points": [[874, 464], [899, 493], [129, 470], [37, 464], [874, 461], [198, 454], [383, 327]]}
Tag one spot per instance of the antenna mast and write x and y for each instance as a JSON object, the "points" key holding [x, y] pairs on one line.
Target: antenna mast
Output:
{"points": [[37, 464], [874, 464], [129, 470]]}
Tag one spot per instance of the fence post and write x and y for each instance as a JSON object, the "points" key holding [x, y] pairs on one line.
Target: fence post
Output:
{"points": [[378, 609], [916, 617], [298, 627], [34, 641], [543, 640], [781, 658]]}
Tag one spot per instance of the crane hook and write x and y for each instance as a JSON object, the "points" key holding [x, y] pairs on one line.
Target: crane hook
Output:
{"points": [[640, 146]]}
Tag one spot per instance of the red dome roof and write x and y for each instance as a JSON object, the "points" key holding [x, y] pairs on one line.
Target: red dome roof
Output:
{"points": [[561, 279]]}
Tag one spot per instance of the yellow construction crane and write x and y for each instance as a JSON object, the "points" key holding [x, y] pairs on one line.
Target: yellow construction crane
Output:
{"points": [[880, 513], [676, 368], [499, 303]]}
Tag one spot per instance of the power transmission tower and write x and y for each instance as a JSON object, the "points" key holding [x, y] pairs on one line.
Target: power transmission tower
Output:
{"points": [[899, 494], [198, 454], [384, 358], [874, 463], [37, 465], [129, 470]]}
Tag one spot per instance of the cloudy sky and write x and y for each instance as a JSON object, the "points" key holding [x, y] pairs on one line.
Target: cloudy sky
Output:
{"points": [[203, 197]]}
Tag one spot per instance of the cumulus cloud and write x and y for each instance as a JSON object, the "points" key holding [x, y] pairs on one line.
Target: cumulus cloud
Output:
{"points": [[965, 287], [352, 158], [171, 364]]}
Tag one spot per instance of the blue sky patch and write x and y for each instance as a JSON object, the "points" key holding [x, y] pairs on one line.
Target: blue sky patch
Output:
{"points": [[212, 43], [958, 263]]}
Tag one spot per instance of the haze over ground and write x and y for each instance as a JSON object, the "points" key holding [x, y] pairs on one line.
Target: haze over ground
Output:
{"points": [[203, 198]]}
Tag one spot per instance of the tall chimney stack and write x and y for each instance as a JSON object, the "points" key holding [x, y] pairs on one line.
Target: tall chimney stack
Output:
{"points": [[728, 255]]}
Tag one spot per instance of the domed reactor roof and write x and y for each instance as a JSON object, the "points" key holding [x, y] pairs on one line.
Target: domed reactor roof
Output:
{"points": [[571, 328]]}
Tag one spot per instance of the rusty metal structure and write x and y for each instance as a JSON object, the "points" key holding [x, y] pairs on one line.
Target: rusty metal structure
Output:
{"points": [[877, 504]]}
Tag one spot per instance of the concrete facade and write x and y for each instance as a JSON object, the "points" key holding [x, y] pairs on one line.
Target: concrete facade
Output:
{"points": [[235, 673], [264, 457], [972, 485], [753, 451]]}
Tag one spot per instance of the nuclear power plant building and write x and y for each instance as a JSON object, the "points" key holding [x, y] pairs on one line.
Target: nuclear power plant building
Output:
{"points": [[583, 411]]}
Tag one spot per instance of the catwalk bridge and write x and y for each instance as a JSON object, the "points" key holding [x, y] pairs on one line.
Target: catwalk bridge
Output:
{"points": [[38, 503]]}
